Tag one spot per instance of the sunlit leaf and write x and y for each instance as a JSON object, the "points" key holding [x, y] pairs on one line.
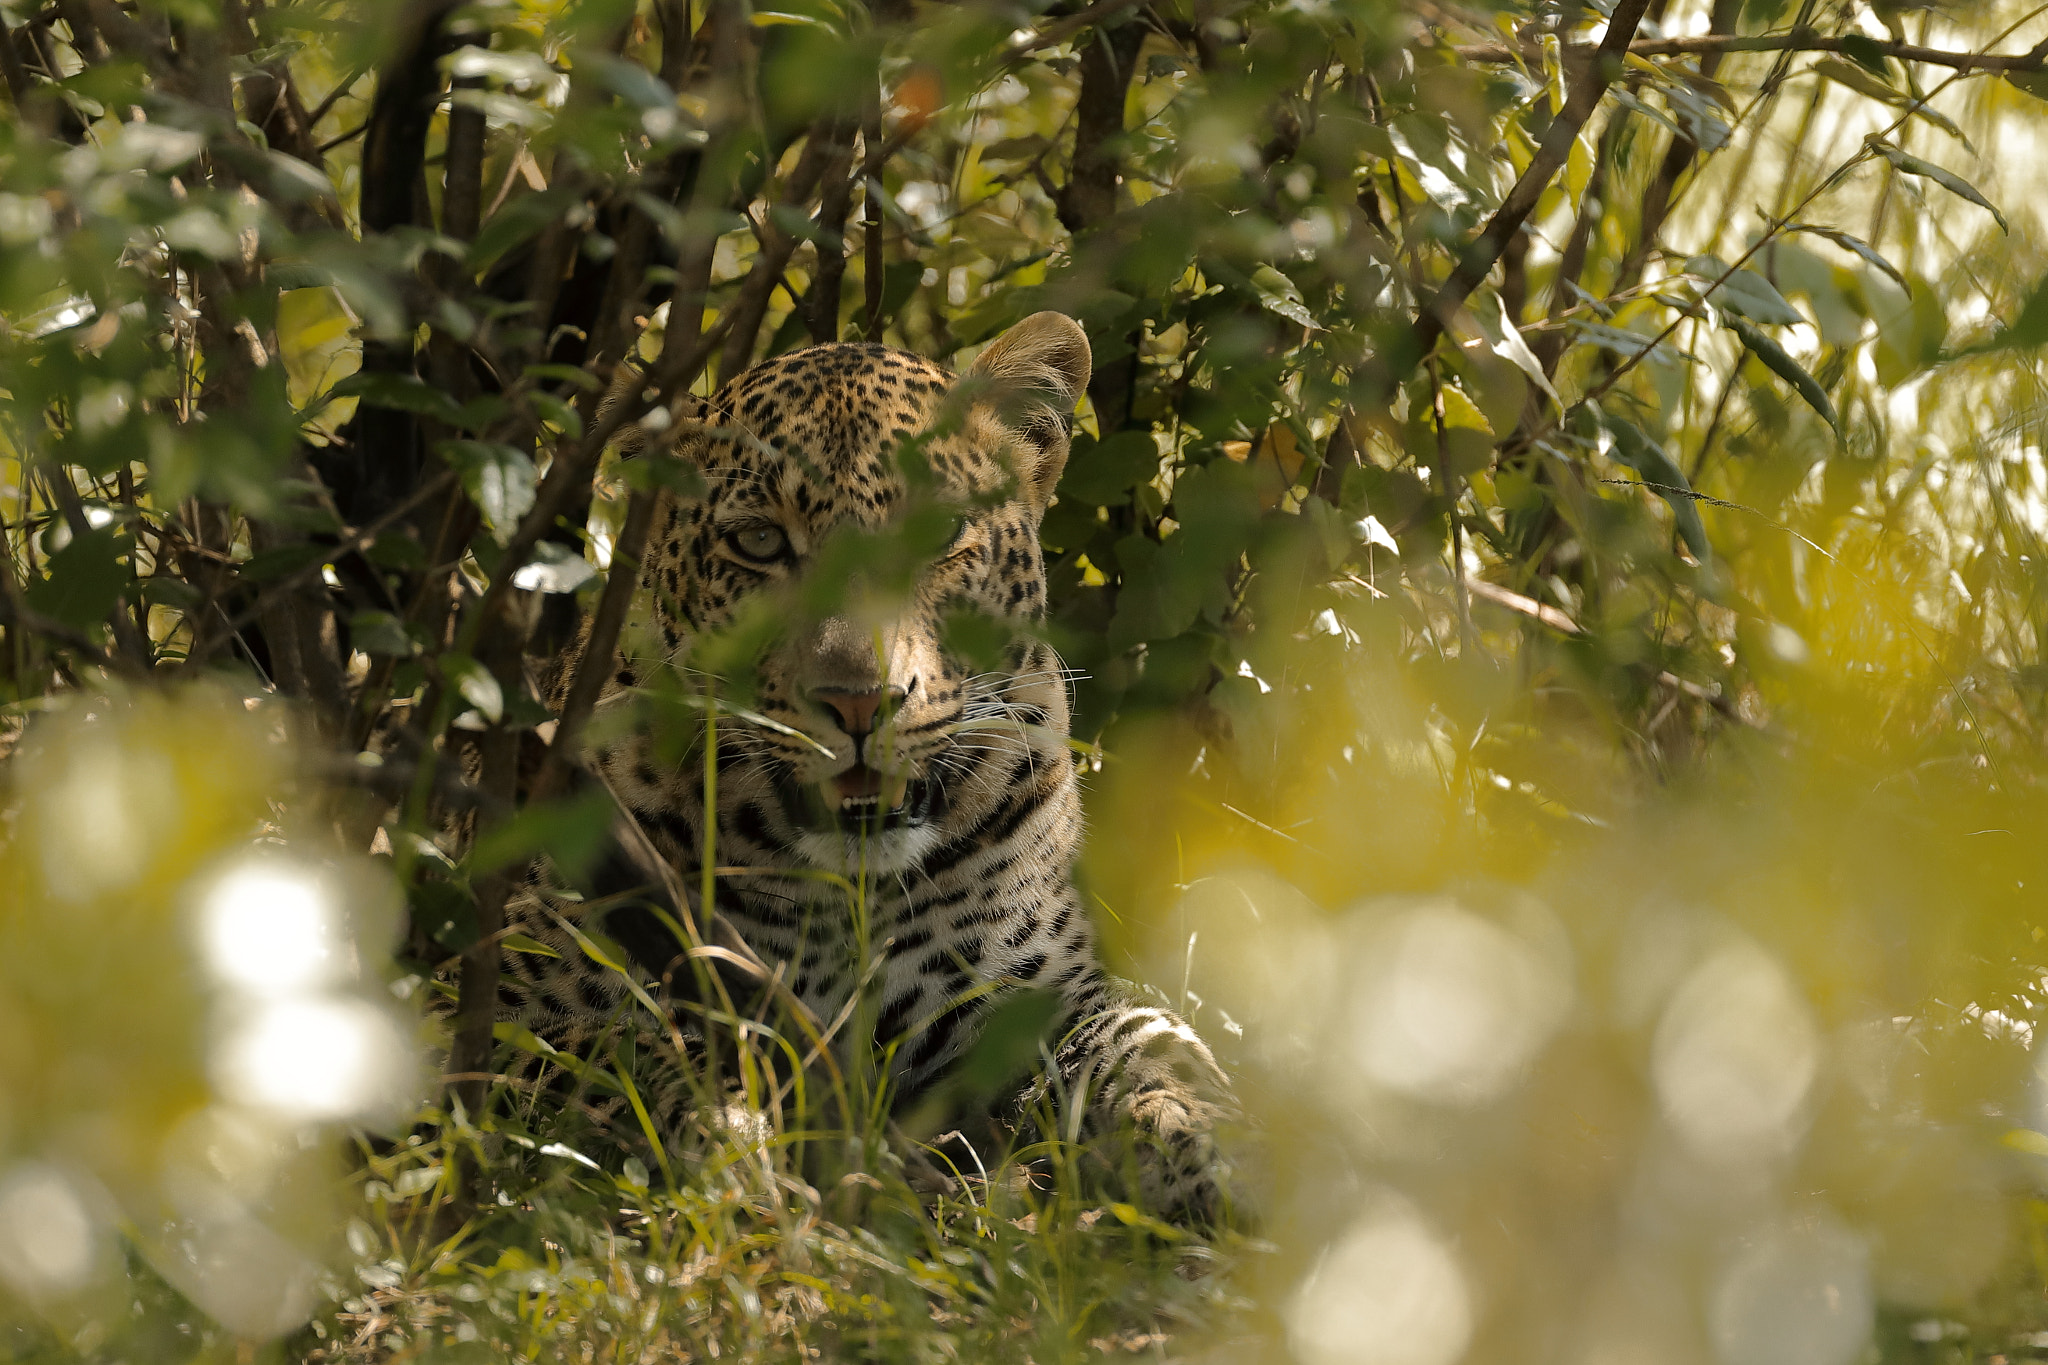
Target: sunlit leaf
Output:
{"points": [[1744, 291], [475, 684], [1278, 294], [499, 480], [1855, 245], [1506, 339], [1909, 164], [554, 568]]}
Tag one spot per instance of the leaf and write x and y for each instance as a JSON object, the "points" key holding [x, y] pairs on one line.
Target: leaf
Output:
{"points": [[1370, 531], [86, 579], [2026, 331], [498, 479], [1866, 52], [564, 374], [526, 943], [1857, 78], [520, 219], [1697, 112], [1912, 165], [1856, 246], [558, 414], [1506, 340], [1744, 291], [1647, 110], [2034, 83], [1278, 294], [1786, 368], [1634, 448], [266, 566], [403, 392], [555, 567], [1103, 473], [1007, 1044], [630, 81], [1628, 344], [380, 632], [476, 685], [1861, 81], [570, 833]]}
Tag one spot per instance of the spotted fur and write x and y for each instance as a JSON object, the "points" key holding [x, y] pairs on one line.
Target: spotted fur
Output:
{"points": [[965, 892]]}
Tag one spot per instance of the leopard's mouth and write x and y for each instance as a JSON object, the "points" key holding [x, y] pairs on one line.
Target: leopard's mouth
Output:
{"points": [[869, 800]]}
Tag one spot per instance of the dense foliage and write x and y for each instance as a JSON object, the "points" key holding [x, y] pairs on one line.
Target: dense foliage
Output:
{"points": [[1551, 560]]}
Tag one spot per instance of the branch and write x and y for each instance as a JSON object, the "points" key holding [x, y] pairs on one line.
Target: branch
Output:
{"points": [[1478, 259], [750, 309], [600, 645], [1059, 30], [400, 115], [1792, 40], [351, 543]]}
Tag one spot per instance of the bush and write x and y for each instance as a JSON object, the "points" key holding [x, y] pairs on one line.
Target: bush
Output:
{"points": [[1550, 561]]}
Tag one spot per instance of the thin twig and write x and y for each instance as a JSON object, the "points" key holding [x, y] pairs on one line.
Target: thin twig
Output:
{"points": [[349, 544], [335, 96], [1795, 40]]}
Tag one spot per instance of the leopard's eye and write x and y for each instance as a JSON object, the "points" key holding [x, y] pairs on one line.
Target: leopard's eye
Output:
{"points": [[761, 543]]}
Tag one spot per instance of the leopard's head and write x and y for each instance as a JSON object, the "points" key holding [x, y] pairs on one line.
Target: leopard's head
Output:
{"points": [[857, 502]]}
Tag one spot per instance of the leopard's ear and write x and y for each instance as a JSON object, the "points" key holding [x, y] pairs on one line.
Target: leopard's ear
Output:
{"points": [[1036, 373]]}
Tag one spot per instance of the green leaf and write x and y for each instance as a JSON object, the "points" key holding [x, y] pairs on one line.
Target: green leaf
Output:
{"points": [[476, 685], [445, 911], [2034, 83], [1745, 291], [281, 561], [526, 943], [2026, 331], [1909, 164], [558, 414], [1103, 473], [1628, 344], [565, 374], [1278, 294], [1702, 121], [570, 833], [1861, 81], [1008, 1044], [1866, 52], [406, 393], [554, 568], [1634, 448], [1856, 246], [379, 632], [1786, 368], [520, 219], [1506, 340], [1857, 78], [499, 480], [85, 580]]}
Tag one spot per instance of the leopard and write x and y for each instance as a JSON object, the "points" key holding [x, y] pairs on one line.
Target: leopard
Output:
{"points": [[874, 756]]}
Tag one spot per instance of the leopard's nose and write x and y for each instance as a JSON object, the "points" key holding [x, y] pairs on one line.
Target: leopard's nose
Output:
{"points": [[857, 710]]}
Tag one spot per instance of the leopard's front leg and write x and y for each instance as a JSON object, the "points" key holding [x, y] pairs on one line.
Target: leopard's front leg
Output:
{"points": [[1152, 1093]]}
